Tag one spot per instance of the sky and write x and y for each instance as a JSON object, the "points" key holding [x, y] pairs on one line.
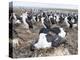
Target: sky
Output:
{"points": [[43, 5]]}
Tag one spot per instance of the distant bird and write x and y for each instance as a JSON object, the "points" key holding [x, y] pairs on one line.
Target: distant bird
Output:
{"points": [[71, 22]]}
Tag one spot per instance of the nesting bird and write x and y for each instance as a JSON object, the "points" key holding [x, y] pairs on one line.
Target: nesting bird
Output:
{"points": [[48, 40]]}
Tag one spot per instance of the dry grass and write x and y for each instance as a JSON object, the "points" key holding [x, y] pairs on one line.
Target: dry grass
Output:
{"points": [[23, 50]]}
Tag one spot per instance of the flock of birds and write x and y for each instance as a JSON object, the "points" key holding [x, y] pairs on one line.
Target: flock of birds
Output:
{"points": [[48, 37]]}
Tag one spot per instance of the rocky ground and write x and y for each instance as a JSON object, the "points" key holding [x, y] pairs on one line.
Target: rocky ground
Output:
{"points": [[26, 38]]}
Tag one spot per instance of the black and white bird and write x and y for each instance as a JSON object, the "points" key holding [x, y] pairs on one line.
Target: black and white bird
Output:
{"points": [[45, 22], [48, 40], [52, 19], [57, 18], [71, 21], [27, 20], [61, 18], [15, 18]]}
